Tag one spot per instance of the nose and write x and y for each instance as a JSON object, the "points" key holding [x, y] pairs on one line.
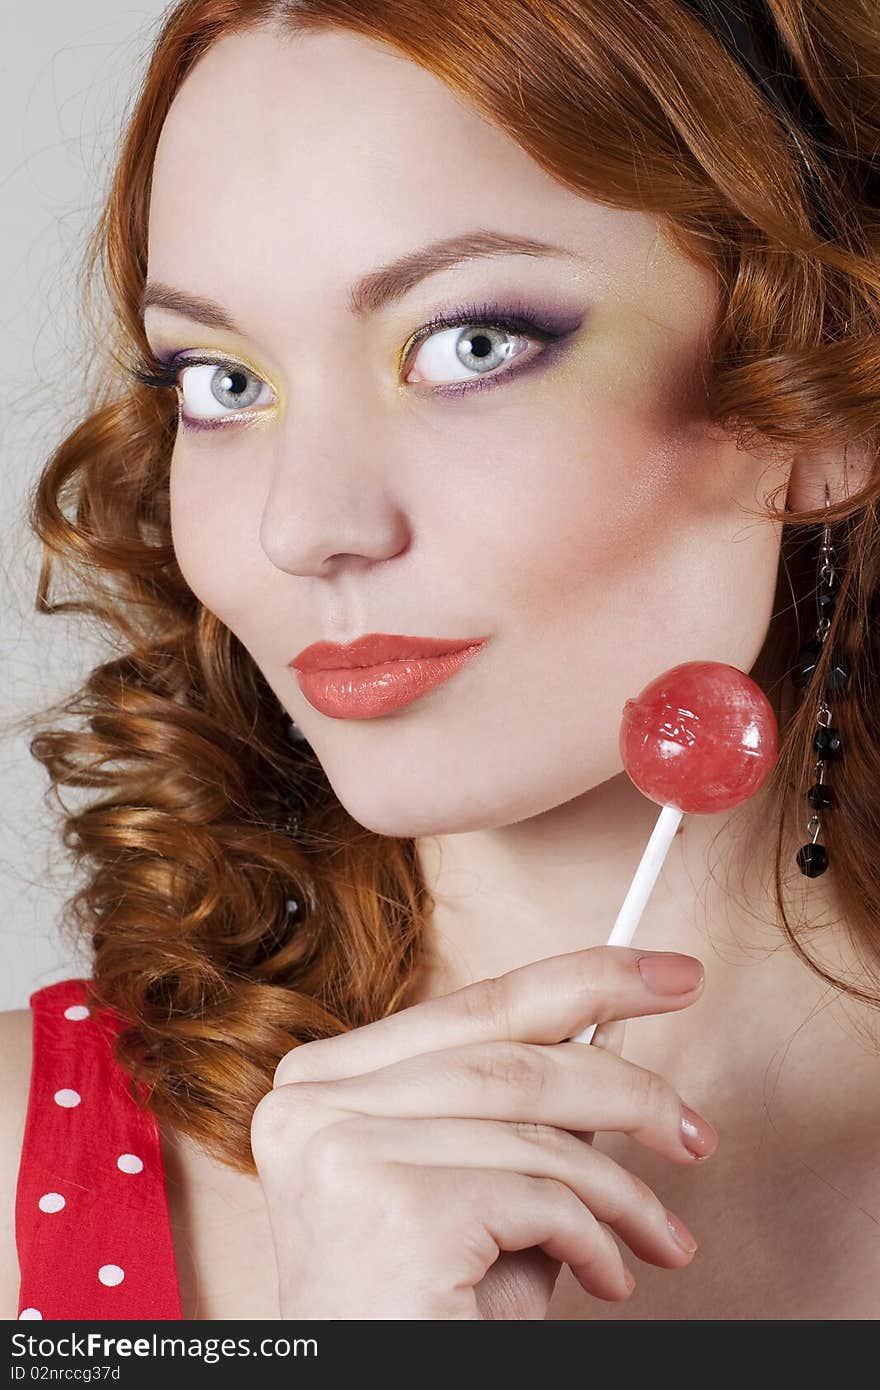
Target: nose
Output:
{"points": [[330, 502]]}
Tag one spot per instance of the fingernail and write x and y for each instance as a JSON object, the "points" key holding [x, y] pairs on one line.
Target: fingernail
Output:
{"points": [[669, 973], [680, 1234], [628, 1279], [698, 1136]]}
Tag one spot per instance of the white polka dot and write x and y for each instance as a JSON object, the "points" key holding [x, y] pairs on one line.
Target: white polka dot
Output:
{"points": [[30, 1313], [77, 1011], [51, 1201], [129, 1163], [111, 1274], [67, 1098]]}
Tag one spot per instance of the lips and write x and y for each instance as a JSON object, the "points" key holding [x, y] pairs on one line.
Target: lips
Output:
{"points": [[376, 649], [380, 673]]}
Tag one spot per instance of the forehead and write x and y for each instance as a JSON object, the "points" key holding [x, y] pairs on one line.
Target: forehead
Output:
{"points": [[290, 163], [322, 122]]}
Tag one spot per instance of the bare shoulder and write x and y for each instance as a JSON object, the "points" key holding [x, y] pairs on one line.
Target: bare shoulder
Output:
{"points": [[16, 1028]]}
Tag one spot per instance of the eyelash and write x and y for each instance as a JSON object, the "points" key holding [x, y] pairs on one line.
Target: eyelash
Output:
{"points": [[516, 319]]}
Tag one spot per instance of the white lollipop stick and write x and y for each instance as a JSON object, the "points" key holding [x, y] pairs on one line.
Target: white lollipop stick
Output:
{"points": [[640, 890]]}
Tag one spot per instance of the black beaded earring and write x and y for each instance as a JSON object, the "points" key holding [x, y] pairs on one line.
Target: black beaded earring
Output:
{"points": [[812, 858]]}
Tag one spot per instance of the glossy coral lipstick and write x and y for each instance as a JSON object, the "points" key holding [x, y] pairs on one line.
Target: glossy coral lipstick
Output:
{"points": [[378, 673]]}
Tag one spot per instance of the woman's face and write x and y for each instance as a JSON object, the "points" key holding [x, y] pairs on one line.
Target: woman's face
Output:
{"points": [[576, 513]]}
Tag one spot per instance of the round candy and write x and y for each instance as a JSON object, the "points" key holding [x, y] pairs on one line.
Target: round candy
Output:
{"points": [[701, 738]]}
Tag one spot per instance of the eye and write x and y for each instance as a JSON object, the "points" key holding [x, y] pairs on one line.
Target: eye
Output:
{"points": [[467, 349], [457, 354], [211, 390]]}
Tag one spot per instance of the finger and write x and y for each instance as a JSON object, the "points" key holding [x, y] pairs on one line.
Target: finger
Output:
{"points": [[565, 1085], [500, 1297], [613, 1194], [519, 1212], [611, 1036], [543, 1002]]}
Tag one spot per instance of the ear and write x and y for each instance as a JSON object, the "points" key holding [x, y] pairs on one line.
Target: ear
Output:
{"points": [[847, 470]]}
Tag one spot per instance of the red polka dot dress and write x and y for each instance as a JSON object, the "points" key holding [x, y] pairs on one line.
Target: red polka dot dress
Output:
{"points": [[91, 1214]]}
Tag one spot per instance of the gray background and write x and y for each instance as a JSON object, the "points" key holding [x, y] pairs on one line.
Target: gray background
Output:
{"points": [[68, 75]]}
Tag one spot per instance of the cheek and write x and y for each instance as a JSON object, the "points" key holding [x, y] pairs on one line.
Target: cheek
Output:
{"points": [[604, 469], [613, 527], [210, 534], [192, 525]]}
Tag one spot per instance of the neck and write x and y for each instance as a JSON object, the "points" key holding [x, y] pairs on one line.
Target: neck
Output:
{"points": [[554, 883]]}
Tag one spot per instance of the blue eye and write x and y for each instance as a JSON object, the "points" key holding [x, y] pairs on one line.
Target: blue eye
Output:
{"points": [[222, 389], [470, 350], [218, 387]]}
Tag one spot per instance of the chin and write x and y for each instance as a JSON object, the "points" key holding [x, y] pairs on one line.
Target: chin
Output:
{"points": [[449, 791], [416, 818], [409, 823]]}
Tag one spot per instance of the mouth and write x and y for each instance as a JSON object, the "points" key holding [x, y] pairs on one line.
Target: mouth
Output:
{"points": [[369, 687], [376, 648]]}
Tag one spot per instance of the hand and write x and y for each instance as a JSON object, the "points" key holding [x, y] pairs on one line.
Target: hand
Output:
{"points": [[520, 1283], [403, 1160]]}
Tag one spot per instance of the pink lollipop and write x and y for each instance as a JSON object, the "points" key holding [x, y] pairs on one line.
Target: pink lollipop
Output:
{"points": [[700, 738]]}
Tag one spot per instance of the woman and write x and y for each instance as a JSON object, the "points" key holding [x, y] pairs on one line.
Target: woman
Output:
{"points": [[346, 966]]}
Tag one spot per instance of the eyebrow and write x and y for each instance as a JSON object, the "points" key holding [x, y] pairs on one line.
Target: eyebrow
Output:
{"points": [[378, 287]]}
